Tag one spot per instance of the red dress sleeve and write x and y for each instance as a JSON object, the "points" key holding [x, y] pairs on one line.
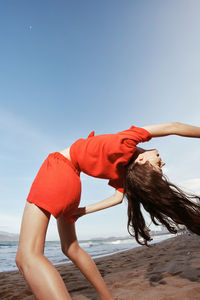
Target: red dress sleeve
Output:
{"points": [[134, 135], [117, 184]]}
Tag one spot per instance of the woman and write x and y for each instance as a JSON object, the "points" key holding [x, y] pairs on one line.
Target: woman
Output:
{"points": [[56, 190]]}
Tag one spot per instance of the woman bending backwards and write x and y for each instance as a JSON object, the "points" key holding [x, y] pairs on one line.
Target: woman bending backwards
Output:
{"points": [[132, 171]]}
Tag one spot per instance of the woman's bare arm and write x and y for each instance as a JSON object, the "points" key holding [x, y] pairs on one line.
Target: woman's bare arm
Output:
{"points": [[175, 128], [113, 200]]}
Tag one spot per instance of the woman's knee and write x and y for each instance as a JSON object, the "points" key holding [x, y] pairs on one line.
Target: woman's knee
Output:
{"points": [[22, 260], [71, 251], [25, 259]]}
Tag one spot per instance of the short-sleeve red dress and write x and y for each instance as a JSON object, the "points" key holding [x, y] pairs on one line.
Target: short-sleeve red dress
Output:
{"points": [[57, 186]]}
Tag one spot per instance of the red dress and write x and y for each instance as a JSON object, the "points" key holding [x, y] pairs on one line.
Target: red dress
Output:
{"points": [[57, 186]]}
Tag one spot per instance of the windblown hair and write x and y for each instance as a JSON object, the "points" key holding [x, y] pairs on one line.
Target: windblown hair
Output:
{"points": [[166, 203]]}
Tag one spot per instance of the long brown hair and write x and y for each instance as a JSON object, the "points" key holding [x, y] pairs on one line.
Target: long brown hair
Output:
{"points": [[166, 203]]}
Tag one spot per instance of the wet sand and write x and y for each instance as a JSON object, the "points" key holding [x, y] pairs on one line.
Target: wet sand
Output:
{"points": [[169, 270]]}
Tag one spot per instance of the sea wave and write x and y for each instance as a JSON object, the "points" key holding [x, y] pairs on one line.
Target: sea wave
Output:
{"points": [[95, 247]]}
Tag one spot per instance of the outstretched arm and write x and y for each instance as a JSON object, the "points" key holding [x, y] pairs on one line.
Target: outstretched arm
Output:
{"points": [[173, 128], [108, 202]]}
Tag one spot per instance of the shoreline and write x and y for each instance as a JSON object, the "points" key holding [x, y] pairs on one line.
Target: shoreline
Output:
{"points": [[95, 248], [167, 270]]}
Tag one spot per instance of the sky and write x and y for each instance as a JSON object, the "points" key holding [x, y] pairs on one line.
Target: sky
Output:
{"points": [[71, 67]]}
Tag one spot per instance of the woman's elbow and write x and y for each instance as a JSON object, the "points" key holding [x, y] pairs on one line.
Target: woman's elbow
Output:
{"points": [[119, 196], [119, 201]]}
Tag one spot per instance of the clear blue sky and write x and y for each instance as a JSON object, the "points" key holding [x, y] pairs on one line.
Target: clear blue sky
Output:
{"points": [[70, 67]]}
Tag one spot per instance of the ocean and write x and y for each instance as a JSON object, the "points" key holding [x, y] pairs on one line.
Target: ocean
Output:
{"points": [[94, 247]]}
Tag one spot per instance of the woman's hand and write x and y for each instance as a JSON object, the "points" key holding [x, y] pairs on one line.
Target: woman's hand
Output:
{"points": [[78, 213]]}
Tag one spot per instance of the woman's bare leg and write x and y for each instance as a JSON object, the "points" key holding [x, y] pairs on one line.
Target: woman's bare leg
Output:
{"points": [[40, 274], [84, 262]]}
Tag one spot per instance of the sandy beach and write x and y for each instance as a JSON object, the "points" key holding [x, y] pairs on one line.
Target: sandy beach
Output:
{"points": [[169, 270]]}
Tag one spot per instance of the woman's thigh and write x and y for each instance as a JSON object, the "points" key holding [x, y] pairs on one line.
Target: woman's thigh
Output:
{"points": [[68, 238], [33, 229]]}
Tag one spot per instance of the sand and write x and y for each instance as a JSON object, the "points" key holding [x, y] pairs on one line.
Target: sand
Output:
{"points": [[169, 270]]}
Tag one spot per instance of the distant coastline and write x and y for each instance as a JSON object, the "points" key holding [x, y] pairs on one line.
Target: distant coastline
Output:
{"points": [[8, 237], [14, 237]]}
